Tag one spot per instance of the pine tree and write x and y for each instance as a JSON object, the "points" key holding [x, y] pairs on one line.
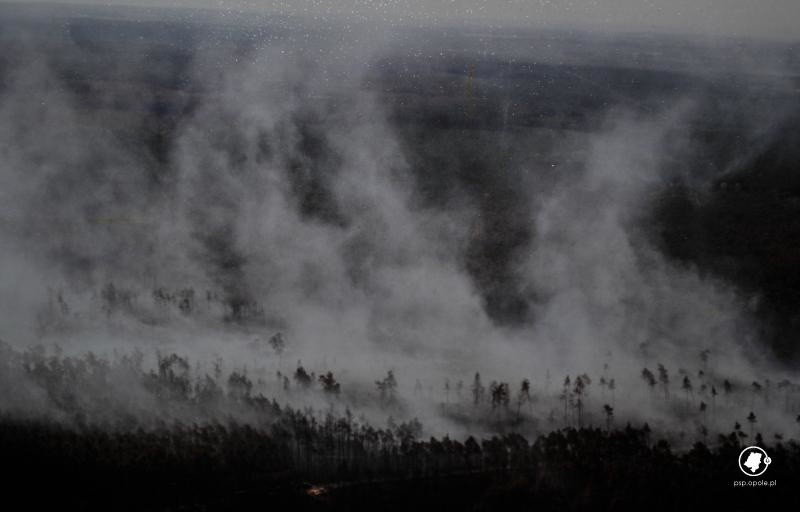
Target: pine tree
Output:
{"points": [[387, 388], [302, 378], [649, 378], [329, 384], [566, 397], [278, 345], [751, 418], [609, 412], [524, 395], [687, 387], [663, 378], [581, 382], [727, 388], [477, 390]]}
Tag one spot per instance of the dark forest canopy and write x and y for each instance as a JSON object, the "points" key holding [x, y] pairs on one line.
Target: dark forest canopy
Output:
{"points": [[334, 466]]}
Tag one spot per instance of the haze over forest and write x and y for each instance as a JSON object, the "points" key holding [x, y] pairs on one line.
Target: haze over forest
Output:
{"points": [[362, 216]]}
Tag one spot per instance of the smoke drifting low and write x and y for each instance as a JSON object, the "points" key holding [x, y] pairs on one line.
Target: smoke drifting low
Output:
{"points": [[243, 190]]}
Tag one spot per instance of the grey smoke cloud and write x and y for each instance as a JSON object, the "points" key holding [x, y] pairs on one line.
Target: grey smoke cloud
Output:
{"points": [[373, 282]]}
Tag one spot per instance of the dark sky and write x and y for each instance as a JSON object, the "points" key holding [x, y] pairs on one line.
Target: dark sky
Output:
{"points": [[751, 18]]}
